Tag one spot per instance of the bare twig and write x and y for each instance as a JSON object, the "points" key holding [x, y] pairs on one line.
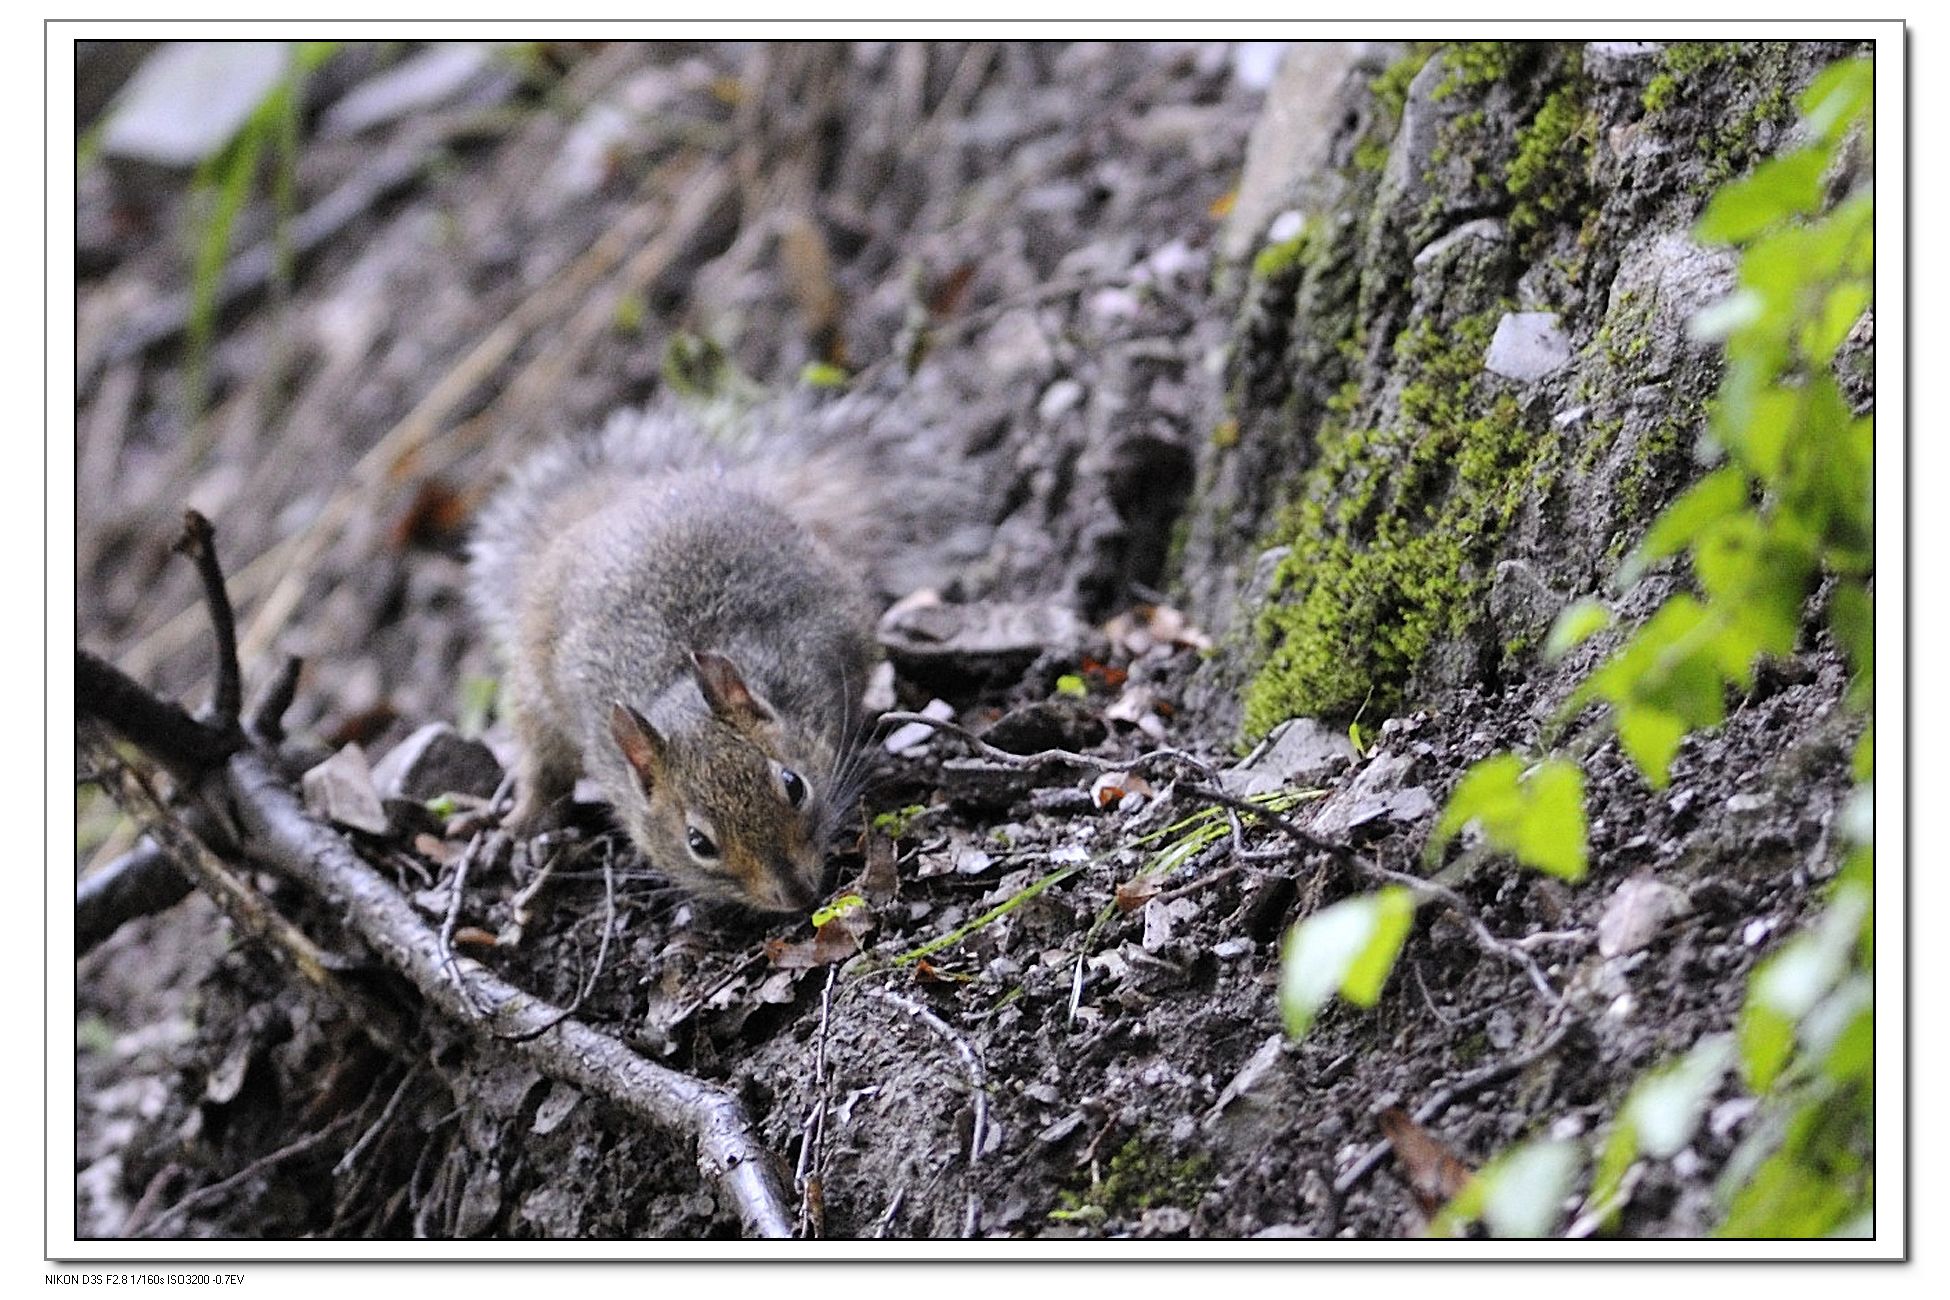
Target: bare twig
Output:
{"points": [[199, 542], [266, 722], [977, 1086], [1443, 1098], [282, 834], [1479, 933], [139, 883], [290, 1151], [247, 911], [154, 725]]}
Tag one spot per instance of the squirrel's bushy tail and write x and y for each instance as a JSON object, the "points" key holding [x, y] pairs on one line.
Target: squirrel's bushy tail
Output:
{"points": [[854, 478]]}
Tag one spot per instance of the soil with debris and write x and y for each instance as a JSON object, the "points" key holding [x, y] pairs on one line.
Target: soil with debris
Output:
{"points": [[1047, 1002]]}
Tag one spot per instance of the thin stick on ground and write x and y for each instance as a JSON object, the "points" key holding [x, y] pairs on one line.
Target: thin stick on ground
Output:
{"points": [[1443, 1098], [1480, 933], [977, 1087], [282, 835]]}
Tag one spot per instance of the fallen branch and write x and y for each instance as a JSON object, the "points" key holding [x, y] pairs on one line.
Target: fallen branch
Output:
{"points": [[277, 831], [281, 833]]}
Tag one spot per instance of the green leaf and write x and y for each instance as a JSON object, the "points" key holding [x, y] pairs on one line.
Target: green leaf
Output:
{"points": [[823, 374], [1488, 793], [1551, 836], [1789, 984], [838, 907], [1072, 685], [1837, 98], [1781, 187], [1575, 625], [1394, 914], [1519, 1194], [1527, 1188], [1347, 948], [1537, 818], [1851, 612], [1716, 497], [1665, 1106], [1651, 737]]}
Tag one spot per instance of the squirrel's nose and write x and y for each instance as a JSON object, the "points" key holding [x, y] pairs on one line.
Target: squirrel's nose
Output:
{"points": [[792, 891]]}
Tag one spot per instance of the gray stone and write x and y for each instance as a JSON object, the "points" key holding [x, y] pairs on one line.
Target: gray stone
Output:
{"points": [[437, 760], [1405, 177], [1619, 62], [1488, 229], [982, 631], [341, 790], [1638, 910], [433, 77], [1291, 141], [1299, 752], [1379, 793], [1528, 346], [190, 98]]}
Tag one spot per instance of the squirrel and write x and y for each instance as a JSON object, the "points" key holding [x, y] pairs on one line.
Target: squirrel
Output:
{"points": [[676, 621]]}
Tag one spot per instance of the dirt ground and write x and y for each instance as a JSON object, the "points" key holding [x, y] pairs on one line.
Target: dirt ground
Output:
{"points": [[1049, 1017]]}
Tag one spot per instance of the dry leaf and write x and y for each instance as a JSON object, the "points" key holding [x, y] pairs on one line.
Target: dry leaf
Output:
{"points": [[1433, 1171], [1133, 894], [1109, 789], [879, 881]]}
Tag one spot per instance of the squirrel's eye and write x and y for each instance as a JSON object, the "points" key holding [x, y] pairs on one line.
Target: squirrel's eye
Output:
{"points": [[701, 844], [795, 788]]}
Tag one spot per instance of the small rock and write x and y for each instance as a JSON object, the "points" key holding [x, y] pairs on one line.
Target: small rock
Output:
{"points": [[1618, 62], [191, 98], [1252, 1077], [972, 862], [1488, 229], [1377, 794], [1286, 226], [437, 760], [1748, 803], [982, 635], [1059, 399], [425, 80], [1158, 925], [879, 697], [1639, 908], [1565, 419], [1255, 62], [341, 790], [1165, 1221], [1227, 949], [1527, 346], [1757, 930], [912, 735], [1300, 752], [1060, 801], [1061, 1129], [1729, 1115]]}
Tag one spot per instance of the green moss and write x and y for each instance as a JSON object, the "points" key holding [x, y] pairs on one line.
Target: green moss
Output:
{"points": [[1391, 87], [1679, 68], [1371, 154], [1286, 257], [1692, 71], [1471, 64], [1550, 174], [1138, 1177], [1391, 531]]}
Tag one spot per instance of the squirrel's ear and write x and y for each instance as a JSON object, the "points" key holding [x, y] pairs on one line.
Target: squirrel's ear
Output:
{"points": [[725, 691], [642, 747]]}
